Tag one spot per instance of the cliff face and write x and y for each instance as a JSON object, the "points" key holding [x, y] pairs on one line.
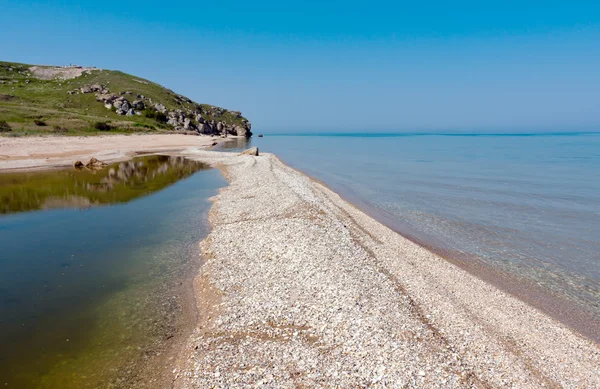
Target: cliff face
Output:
{"points": [[190, 116], [37, 99]]}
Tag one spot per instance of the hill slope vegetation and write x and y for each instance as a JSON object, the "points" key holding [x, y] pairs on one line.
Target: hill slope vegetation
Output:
{"points": [[76, 100]]}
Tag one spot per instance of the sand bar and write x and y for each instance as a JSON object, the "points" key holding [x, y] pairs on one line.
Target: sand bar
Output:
{"points": [[301, 289], [39, 152]]}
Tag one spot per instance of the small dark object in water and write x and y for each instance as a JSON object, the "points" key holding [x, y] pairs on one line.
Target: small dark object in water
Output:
{"points": [[260, 135]]}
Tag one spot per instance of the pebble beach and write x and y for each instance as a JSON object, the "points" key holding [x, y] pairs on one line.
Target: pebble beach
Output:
{"points": [[301, 289]]}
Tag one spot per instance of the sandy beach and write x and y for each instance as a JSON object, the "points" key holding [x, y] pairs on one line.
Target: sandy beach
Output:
{"points": [[301, 289], [41, 152]]}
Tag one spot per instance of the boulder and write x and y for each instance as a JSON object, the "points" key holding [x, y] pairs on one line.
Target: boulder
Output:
{"points": [[139, 105], [118, 103], [94, 163], [130, 112], [203, 128], [242, 131], [106, 97], [78, 165], [252, 151], [160, 108]]}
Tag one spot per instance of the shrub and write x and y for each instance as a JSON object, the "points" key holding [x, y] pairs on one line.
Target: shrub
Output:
{"points": [[39, 123], [4, 126], [144, 125], [151, 113], [102, 126], [161, 117]]}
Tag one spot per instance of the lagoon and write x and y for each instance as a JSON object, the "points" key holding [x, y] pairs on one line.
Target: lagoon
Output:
{"points": [[96, 269]]}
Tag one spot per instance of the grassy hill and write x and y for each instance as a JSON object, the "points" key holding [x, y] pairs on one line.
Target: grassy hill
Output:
{"points": [[47, 99]]}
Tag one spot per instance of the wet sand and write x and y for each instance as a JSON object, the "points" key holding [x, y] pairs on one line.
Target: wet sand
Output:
{"points": [[301, 288]]}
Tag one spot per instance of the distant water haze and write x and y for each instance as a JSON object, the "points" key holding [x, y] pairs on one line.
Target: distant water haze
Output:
{"points": [[527, 204]]}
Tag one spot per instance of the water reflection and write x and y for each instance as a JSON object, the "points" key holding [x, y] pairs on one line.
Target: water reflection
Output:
{"points": [[96, 297], [234, 144], [83, 188]]}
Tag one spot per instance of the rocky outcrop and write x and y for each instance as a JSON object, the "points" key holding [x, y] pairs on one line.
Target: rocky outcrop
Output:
{"points": [[222, 122], [194, 120]]}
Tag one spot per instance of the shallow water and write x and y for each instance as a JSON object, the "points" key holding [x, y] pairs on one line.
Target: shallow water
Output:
{"points": [[91, 268], [527, 204]]}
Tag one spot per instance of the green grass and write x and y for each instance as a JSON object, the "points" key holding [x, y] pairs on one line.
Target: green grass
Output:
{"points": [[29, 99]]}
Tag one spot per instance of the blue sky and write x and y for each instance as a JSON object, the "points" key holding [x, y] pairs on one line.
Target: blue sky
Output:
{"points": [[339, 66]]}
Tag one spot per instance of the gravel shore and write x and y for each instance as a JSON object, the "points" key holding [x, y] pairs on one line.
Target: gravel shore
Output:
{"points": [[301, 289]]}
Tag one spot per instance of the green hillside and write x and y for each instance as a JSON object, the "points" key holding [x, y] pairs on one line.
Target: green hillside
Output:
{"points": [[74, 100]]}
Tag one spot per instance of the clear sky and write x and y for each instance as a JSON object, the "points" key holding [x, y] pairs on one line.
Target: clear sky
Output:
{"points": [[339, 65]]}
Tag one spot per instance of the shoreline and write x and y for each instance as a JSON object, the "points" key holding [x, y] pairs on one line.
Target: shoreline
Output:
{"points": [[453, 327], [49, 152], [463, 329], [558, 307]]}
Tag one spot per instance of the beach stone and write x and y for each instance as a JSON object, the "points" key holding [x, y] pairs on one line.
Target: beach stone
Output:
{"points": [[93, 162], [139, 105], [252, 151]]}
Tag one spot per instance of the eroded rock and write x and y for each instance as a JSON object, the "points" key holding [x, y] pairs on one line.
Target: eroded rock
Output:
{"points": [[251, 151]]}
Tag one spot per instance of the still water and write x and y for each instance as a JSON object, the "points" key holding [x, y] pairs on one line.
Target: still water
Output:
{"points": [[528, 204], [93, 267]]}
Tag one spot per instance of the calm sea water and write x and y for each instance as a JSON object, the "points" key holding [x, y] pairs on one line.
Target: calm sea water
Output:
{"points": [[91, 267], [528, 204]]}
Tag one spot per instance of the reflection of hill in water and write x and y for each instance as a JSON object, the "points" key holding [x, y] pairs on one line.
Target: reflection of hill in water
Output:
{"points": [[117, 183]]}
